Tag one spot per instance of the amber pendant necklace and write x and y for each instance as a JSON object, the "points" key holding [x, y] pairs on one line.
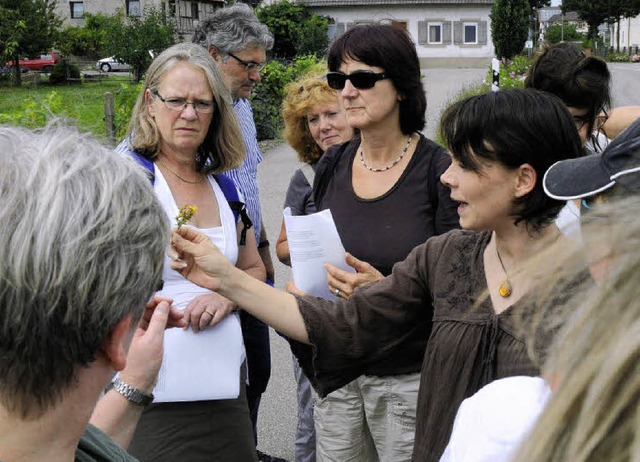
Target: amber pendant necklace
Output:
{"points": [[505, 288]]}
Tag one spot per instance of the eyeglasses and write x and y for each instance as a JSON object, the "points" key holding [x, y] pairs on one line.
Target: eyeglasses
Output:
{"points": [[180, 104], [250, 66], [598, 123], [362, 80]]}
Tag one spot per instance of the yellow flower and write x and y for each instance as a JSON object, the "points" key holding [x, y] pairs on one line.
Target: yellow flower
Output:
{"points": [[185, 214]]}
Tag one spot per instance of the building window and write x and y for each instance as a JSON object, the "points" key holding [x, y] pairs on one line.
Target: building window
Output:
{"points": [[435, 33], [470, 33], [133, 8], [194, 10], [77, 9]]}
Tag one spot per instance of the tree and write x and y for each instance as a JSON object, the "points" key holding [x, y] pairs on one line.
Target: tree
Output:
{"points": [[295, 29], [568, 33], [27, 28], [509, 26], [90, 40], [131, 39], [593, 12], [537, 4]]}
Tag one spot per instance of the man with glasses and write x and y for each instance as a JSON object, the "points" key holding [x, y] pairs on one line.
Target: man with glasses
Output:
{"points": [[238, 42]]}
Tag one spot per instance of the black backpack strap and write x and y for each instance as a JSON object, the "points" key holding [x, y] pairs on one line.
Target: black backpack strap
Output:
{"points": [[238, 207]]}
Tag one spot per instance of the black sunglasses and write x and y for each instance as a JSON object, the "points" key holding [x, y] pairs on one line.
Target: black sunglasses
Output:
{"points": [[362, 80]]}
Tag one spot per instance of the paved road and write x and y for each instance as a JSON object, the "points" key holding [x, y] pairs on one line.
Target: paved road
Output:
{"points": [[278, 411]]}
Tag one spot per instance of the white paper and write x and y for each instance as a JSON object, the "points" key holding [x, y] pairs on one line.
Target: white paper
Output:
{"points": [[201, 366], [313, 241]]}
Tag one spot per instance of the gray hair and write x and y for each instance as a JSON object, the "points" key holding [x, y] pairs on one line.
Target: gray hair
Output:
{"points": [[233, 29], [223, 147], [82, 248]]}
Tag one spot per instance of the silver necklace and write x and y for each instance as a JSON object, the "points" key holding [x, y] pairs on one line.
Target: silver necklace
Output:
{"points": [[393, 164]]}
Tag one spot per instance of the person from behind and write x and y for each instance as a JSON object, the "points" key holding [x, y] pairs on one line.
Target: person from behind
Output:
{"points": [[83, 242], [184, 131], [313, 122]]}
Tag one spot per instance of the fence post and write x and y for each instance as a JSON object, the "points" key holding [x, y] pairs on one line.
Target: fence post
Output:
{"points": [[495, 80], [109, 119]]}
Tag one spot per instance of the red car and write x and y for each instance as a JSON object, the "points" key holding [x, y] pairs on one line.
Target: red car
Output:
{"points": [[44, 63]]}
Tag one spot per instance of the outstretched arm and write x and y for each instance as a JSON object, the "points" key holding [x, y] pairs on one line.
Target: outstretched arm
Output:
{"points": [[200, 261]]}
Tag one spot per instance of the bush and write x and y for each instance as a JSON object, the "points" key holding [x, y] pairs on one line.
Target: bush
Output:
{"points": [[618, 57], [269, 92], [512, 75], [124, 100], [63, 71], [557, 33]]}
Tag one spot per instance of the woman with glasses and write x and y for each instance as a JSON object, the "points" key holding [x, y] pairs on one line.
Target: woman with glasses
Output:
{"points": [[183, 129], [385, 196]]}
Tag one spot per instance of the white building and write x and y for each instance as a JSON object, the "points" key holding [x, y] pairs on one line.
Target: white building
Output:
{"points": [[629, 33], [452, 33]]}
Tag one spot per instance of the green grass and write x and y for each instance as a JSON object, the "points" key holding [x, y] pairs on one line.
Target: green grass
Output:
{"points": [[81, 104]]}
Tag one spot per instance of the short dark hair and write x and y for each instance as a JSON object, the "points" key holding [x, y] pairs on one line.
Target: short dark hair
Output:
{"points": [[514, 127], [579, 80], [391, 48]]}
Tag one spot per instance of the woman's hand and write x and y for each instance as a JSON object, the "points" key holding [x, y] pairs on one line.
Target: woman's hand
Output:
{"points": [[198, 259], [291, 288], [207, 311], [343, 283]]}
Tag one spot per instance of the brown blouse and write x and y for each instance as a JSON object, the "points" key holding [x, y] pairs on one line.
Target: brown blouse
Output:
{"points": [[469, 345]]}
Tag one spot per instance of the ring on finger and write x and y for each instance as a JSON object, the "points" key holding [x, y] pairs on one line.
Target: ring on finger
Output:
{"points": [[209, 313], [337, 293]]}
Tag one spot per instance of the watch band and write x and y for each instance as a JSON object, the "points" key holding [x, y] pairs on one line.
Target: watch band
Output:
{"points": [[132, 394]]}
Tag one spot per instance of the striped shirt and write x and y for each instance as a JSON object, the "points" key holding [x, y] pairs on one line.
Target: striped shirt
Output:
{"points": [[246, 176]]}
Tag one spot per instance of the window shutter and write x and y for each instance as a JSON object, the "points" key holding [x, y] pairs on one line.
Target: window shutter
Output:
{"points": [[332, 32], [482, 32], [422, 32], [457, 32], [340, 28], [446, 32]]}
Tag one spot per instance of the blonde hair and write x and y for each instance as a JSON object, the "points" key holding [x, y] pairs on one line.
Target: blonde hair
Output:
{"points": [[223, 146], [301, 97], [594, 414]]}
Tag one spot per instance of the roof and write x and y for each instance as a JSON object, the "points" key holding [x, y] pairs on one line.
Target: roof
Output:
{"points": [[341, 3], [570, 16]]}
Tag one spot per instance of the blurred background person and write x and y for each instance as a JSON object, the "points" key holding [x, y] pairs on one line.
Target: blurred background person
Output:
{"points": [[313, 121], [183, 122]]}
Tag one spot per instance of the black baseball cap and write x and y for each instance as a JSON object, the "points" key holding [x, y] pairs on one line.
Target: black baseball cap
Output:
{"points": [[587, 176]]}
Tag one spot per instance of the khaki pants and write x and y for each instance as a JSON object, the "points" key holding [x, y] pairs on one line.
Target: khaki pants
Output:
{"points": [[370, 419]]}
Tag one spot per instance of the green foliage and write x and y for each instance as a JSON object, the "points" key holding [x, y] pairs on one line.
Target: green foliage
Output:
{"points": [[295, 29], [618, 58], [509, 26], [124, 100], [35, 113], [90, 40], [269, 92], [556, 33], [63, 71], [464, 93], [27, 28], [130, 39]]}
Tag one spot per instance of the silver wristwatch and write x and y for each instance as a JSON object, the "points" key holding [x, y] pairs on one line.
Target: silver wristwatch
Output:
{"points": [[134, 395]]}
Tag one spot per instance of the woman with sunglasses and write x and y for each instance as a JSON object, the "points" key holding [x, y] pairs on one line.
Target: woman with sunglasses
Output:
{"points": [[313, 122], [184, 130], [385, 196]]}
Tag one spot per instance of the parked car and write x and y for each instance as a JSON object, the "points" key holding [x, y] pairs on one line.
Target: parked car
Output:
{"points": [[110, 64], [44, 62], [5, 71]]}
